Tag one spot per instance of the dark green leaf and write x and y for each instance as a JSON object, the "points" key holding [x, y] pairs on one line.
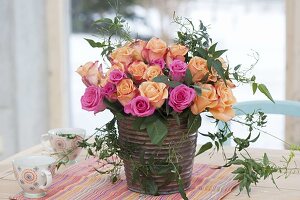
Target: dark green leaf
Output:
{"points": [[209, 64], [202, 52], [217, 65], [157, 131], [212, 48], [197, 89], [217, 145], [204, 148], [95, 44], [194, 122], [90, 152], [164, 79], [253, 78], [217, 54], [236, 76], [263, 89], [161, 79], [237, 67], [188, 79], [136, 125], [181, 189], [150, 186], [147, 121], [254, 140], [173, 84]]}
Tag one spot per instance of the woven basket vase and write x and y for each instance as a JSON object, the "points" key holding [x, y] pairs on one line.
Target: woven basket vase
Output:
{"points": [[185, 147]]}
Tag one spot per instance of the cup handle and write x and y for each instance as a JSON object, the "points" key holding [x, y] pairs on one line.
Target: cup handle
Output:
{"points": [[45, 140], [47, 174]]}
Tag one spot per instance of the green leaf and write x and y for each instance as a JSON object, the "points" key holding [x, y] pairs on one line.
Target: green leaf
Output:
{"points": [[266, 159], [202, 52], [136, 124], [204, 148], [173, 84], [157, 131], [181, 189], [161, 79], [103, 20], [235, 76], [263, 89], [255, 139], [90, 152], [212, 48], [95, 44], [217, 54], [217, 145], [217, 65], [197, 89], [194, 122], [164, 79], [150, 186], [147, 121], [209, 64], [188, 79], [254, 87], [237, 67]]}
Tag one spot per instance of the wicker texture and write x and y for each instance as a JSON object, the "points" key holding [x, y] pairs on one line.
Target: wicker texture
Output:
{"points": [[184, 146]]}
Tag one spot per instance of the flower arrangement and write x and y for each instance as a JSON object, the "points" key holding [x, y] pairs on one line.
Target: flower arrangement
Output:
{"points": [[151, 82], [145, 77]]}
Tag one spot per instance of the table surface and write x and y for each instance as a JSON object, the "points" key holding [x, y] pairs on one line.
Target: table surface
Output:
{"points": [[289, 189]]}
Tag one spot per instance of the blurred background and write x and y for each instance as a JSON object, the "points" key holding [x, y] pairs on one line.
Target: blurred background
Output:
{"points": [[42, 45]]}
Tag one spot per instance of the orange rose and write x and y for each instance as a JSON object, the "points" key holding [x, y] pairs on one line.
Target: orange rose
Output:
{"points": [[155, 49], [208, 99], [152, 72], [176, 51], [198, 68], [123, 55], [126, 91], [155, 92], [118, 65], [223, 110], [137, 69], [138, 46], [89, 73]]}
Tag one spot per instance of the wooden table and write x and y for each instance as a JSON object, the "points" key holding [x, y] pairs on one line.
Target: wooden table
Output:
{"points": [[289, 189]]}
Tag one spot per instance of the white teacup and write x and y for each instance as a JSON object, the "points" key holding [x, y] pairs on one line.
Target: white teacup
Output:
{"points": [[34, 174], [64, 142]]}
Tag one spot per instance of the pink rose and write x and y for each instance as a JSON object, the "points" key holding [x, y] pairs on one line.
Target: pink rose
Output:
{"points": [[116, 76], [181, 97], [92, 99], [160, 62], [139, 106], [178, 69], [110, 91]]}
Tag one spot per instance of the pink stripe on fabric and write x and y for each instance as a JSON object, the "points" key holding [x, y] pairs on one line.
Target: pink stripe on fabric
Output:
{"points": [[69, 183]]}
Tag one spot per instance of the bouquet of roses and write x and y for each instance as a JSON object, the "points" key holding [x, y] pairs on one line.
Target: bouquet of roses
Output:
{"points": [[152, 82], [146, 75]]}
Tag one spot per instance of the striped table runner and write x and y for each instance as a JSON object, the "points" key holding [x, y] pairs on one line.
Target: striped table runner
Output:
{"points": [[81, 182]]}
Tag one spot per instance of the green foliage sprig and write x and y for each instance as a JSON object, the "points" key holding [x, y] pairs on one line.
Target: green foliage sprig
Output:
{"points": [[250, 170], [116, 31]]}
